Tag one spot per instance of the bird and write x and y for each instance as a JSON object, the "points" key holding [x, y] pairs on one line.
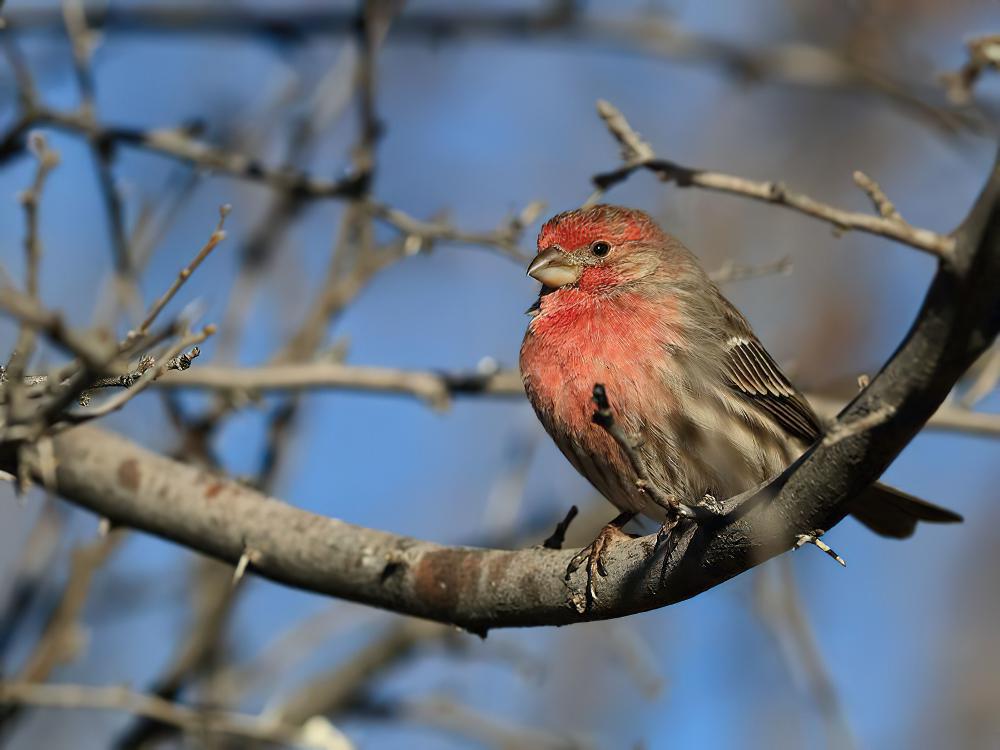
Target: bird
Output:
{"points": [[706, 409]]}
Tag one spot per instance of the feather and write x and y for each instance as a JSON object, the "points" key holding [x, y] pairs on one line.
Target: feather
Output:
{"points": [[754, 375]]}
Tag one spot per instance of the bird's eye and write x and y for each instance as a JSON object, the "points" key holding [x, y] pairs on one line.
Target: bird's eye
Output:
{"points": [[600, 248]]}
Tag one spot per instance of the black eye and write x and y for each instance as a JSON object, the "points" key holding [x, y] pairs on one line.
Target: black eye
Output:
{"points": [[600, 248]]}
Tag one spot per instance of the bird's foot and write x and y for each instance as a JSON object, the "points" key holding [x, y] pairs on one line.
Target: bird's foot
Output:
{"points": [[593, 554], [814, 538]]}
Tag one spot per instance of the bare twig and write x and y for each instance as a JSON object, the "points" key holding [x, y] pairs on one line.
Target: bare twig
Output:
{"points": [[949, 416], [176, 358], [885, 207], [814, 538], [421, 235], [639, 157], [214, 239]]}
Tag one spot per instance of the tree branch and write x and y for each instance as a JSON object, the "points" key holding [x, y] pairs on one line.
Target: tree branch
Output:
{"points": [[480, 589], [637, 154]]}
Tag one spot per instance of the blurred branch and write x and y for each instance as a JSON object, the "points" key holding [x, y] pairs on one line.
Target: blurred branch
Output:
{"points": [[317, 734], [340, 689], [446, 715], [949, 417], [213, 595], [985, 378], [984, 54], [31, 574], [779, 606], [437, 388], [61, 638], [81, 44], [24, 347], [179, 144], [637, 154], [89, 349], [794, 63]]}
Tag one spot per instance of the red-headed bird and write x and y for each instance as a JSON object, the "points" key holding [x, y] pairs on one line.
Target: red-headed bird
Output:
{"points": [[626, 305]]}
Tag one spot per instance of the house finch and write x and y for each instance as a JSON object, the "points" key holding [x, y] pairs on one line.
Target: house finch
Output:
{"points": [[626, 305]]}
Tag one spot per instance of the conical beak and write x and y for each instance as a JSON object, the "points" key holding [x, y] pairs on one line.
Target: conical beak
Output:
{"points": [[554, 268]]}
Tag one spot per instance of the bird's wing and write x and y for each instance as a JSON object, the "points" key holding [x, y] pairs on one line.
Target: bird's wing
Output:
{"points": [[753, 373]]}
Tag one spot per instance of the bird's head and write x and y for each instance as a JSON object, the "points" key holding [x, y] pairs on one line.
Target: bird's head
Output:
{"points": [[598, 249]]}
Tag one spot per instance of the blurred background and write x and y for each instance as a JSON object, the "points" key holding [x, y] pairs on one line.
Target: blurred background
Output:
{"points": [[462, 115]]}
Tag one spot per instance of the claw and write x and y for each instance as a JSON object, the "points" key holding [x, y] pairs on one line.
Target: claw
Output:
{"points": [[593, 554]]}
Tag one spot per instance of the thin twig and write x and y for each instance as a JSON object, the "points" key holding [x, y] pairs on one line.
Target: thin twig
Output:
{"points": [[885, 207], [639, 157], [176, 358], [214, 239]]}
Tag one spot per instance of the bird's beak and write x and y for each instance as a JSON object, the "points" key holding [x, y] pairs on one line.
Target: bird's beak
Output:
{"points": [[554, 268]]}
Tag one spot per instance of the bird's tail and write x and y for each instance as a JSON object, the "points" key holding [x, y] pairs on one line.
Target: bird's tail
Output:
{"points": [[889, 512]]}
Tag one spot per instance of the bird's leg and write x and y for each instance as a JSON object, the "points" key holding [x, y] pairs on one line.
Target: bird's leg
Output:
{"points": [[593, 554]]}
